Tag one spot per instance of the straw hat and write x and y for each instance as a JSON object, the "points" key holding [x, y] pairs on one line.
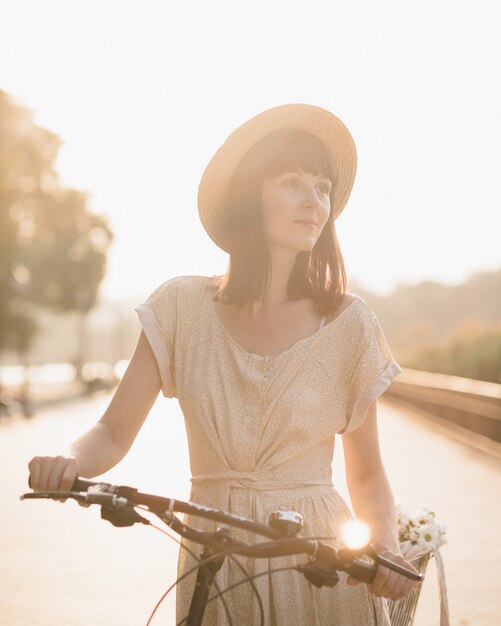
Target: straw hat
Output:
{"points": [[217, 175]]}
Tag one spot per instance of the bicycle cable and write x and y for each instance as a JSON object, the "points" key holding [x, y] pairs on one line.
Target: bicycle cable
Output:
{"points": [[195, 557], [201, 562], [237, 584], [250, 580], [246, 574]]}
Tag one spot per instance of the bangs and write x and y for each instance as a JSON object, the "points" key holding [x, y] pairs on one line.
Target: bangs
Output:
{"points": [[288, 150]]}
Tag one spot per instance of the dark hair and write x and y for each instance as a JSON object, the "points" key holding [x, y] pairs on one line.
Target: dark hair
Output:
{"points": [[319, 274]]}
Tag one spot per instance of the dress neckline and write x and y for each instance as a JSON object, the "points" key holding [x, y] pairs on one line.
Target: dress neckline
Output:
{"points": [[305, 340]]}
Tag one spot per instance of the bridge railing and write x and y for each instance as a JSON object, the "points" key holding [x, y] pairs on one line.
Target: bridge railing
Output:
{"points": [[471, 404]]}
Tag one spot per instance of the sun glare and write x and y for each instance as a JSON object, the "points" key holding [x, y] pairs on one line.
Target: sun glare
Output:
{"points": [[355, 534]]}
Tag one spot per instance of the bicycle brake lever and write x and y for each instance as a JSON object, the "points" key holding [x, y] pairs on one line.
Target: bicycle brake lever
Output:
{"points": [[319, 573], [111, 499], [122, 516], [52, 495], [394, 566]]}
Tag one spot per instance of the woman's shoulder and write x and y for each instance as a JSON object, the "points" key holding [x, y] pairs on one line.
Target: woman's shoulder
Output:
{"points": [[178, 300], [342, 341], [353, 319], [366, 311], [365, 327], [182, 287], [349, 305], [347, 300], [359, 303]]}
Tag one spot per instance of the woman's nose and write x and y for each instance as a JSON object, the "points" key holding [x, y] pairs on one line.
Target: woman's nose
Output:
{"points": [[310, 196]]}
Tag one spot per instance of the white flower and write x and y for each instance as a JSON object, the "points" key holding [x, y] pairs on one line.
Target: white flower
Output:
{"points": [[420, 533], [428, 535], [442, 529], [404, 520], [399, 509], [403, 534], [423, 516]]}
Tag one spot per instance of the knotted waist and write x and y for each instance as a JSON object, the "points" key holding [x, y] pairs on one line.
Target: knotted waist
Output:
{"points": [[257, 494], [258, 481]]}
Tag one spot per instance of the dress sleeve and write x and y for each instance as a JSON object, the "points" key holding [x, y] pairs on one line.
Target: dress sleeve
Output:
{"points": [[374, 370], [158, 320]]}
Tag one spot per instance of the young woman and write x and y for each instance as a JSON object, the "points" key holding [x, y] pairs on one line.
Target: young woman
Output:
{"points": [[268, 363]]}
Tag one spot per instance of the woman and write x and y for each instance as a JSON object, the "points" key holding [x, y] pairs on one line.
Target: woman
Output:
{"points": [[268, 363]]}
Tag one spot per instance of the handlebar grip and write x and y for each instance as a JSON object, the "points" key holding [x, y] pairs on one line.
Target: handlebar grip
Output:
{"points": [[367, 572], [362, 570], [81, 484]]}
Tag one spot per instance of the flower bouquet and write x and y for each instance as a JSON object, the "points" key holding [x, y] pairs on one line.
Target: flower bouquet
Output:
{"points": [[420, 536]]}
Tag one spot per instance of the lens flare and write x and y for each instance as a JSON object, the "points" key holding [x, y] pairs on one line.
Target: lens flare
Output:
{"points": [[355, 534]]}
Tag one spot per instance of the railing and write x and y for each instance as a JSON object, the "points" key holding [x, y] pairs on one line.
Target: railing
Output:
{"points": [[24, 390], [471, 404]]}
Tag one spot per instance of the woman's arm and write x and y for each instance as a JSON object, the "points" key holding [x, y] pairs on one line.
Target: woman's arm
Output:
{"points": [[370, 491], [373, 502], [107, 442]]}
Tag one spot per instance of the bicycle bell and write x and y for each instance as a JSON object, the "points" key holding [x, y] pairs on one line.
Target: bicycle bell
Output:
{"points": [[289, 523]]}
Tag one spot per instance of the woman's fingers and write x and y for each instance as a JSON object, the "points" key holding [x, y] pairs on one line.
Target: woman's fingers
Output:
{"points": [[34, 467], [396, 590], [380, 580], [55, 473], [56, 466], [69, 475], [390, 584], [59, 465], [408, 586], [61, 474], [45, 469]]}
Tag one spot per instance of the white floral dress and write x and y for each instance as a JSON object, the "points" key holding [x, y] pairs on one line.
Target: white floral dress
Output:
{"points": [[261, 438]]}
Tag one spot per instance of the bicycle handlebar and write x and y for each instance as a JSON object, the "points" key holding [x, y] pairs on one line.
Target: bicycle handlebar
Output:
{"points": [[118, 504]]}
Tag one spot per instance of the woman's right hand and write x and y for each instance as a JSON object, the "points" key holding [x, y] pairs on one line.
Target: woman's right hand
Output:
{"points": [[52, 473]]}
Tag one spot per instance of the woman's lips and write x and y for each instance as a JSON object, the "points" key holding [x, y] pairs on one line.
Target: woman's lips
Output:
{"points": [[306, 223]]}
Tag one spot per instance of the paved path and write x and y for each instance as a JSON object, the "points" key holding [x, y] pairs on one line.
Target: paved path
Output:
{"points": [[62, 566]]}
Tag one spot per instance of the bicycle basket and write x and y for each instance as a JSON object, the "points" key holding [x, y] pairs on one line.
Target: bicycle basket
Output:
{"points": [[402, 611]]}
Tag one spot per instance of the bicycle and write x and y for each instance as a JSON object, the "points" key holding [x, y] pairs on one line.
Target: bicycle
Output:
{"points": [[120, 505]]}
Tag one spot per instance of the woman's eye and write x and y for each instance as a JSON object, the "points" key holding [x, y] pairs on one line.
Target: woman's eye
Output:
{"points": [[324, 188], [291, 182]]}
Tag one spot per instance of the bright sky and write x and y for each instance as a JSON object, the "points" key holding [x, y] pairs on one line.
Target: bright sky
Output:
{"points": [[143, 93]]}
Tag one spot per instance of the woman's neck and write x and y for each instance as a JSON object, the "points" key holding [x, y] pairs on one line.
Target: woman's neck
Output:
{"points": [[282, 264]]}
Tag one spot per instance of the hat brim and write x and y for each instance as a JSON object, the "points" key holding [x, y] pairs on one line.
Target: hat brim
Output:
{"points": [[325, 125]]}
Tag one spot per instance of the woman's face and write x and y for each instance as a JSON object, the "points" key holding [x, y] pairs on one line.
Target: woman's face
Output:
{"points": [[296, 206]]}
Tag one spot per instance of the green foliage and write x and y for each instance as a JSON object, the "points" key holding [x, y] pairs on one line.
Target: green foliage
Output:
{"points": [[52, 248], [450, 329], [472, 350]]}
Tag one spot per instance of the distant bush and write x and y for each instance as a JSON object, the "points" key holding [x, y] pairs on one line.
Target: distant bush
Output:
{"points": [[471, 350]]}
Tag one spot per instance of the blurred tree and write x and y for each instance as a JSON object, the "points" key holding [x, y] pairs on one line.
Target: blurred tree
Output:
{"points": [[52, 248], [472, 350], [452, 329]]}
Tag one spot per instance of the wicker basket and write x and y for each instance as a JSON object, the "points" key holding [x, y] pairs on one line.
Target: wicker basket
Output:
{"points": [[402, 611]]}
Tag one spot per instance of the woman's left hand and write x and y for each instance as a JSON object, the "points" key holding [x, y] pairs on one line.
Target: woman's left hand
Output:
{"points": [[387, 583]]}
